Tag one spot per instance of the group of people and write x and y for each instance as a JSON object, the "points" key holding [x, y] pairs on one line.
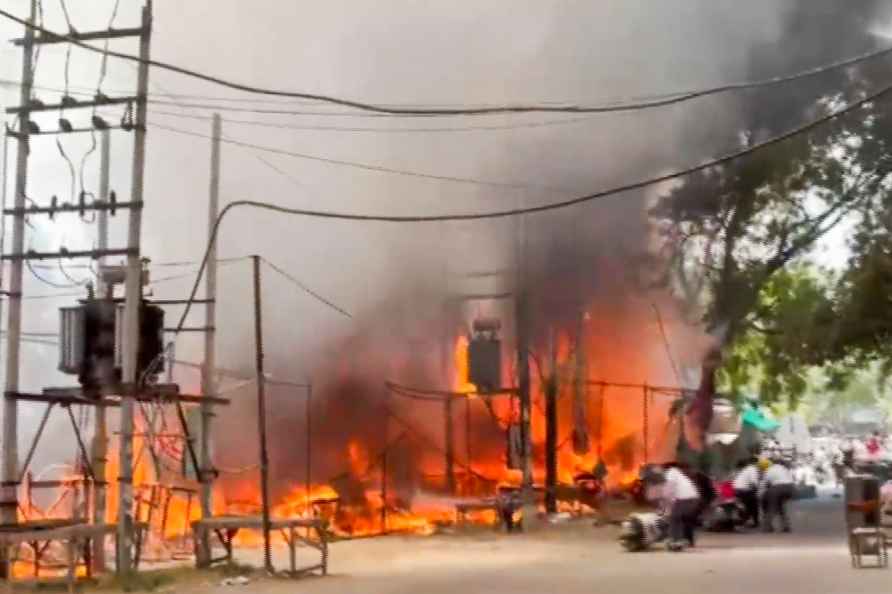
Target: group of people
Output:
{"points": [[765, 488]]}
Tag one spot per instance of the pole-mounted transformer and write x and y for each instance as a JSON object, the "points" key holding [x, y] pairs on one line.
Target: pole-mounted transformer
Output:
{"points": [[91, 343], [485, 355]]}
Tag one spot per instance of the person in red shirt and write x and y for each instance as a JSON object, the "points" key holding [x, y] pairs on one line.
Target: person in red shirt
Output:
{"points": [[873, 444]]}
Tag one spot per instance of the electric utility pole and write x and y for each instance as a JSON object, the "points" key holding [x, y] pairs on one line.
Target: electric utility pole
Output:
{"points": [[132, 306], [100, 436], [261, 415], [208, 370], [9, 502]]}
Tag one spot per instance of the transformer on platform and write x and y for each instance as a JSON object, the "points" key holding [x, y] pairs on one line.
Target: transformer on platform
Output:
{"points": [[485, 355], [91, 342]]}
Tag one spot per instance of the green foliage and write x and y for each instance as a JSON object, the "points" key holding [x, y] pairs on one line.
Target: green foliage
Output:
{"points": [[785, 333], [738, 238]]}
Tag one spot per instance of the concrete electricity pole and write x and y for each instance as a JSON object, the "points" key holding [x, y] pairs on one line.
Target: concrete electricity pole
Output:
{"points": [[261, 415], [132, 304], [9, 509], [100, 436], [208, 370]]}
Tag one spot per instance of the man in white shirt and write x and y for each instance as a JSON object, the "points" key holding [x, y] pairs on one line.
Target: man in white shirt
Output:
{"points": [[681, 500], [746, 489], [776, 490]]}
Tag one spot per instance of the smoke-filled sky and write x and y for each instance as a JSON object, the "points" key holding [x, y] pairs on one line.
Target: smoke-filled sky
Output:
{"points": [[403, 52]]}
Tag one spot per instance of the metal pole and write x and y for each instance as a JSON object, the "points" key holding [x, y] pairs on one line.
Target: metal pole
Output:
{"points": [[132, 305], [100, 435], [551, 389], [449, 432], [208, 379], [523, 384], [384, 490], [308, 431], [9, 501], [644, 422], [261, 415], [468, 436], [581, 443]]}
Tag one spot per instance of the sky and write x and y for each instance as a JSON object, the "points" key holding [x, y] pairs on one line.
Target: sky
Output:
{"points": [[388, 51]]}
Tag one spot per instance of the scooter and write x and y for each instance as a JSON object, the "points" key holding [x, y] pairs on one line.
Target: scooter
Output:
{"points": [[725, 516], [727, 512], [642, 530]]}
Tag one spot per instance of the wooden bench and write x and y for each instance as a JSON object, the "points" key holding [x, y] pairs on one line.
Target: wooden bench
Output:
{"points": [[78, 537], [464, 508], [226, 527]]}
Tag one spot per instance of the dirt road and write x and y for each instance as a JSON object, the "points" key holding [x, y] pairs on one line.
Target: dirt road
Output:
{"points": [[580, 558]]}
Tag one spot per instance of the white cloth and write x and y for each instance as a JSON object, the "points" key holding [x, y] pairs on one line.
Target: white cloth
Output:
{"points": [[678, 486], [777, 474], [747, 479]]}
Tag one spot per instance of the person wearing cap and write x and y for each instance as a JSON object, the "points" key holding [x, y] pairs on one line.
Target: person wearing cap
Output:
{"points": [[775, 492], [681, 500]]}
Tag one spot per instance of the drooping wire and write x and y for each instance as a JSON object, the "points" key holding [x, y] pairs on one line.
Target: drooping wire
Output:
{"points": [[84, 159], [365, 166], [72, 172], [103, 69], [465, 111], [601, 194], [67, 16], [62, 152], [81, 283], [307, 289], [47, 281]]}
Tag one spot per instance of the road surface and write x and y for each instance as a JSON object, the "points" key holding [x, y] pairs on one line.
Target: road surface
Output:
{"points": [[579, 558]]}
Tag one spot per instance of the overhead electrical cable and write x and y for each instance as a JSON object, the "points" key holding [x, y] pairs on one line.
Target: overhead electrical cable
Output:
{"points": [[497, 214], [464, 111], [306, 289], [359, 165], [378, 130]]}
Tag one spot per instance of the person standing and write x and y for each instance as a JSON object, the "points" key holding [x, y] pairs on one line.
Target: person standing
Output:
{"points": [[746, 489], [775, 491], [681, 500]]}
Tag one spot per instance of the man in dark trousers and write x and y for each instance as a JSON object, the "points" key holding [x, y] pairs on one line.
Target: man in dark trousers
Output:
{"points": [[746, 489], [776, 490], [681, 500]]}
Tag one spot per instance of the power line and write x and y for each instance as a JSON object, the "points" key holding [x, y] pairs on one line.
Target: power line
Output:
{"points": [[306, 289], [285, 126], [359, 165], [466, 111], [521, 211], [89, 92], [498, 214]]}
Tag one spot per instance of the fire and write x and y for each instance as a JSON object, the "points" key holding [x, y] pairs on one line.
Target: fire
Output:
{"points": [[410, 490], [358, 456], [460, 361]]}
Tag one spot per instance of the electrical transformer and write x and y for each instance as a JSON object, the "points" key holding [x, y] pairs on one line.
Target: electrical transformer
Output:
{"points": [[91, 342], [485, 356]]}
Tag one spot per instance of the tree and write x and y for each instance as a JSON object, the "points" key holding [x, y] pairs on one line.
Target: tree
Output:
{"points": [[730, 232]]}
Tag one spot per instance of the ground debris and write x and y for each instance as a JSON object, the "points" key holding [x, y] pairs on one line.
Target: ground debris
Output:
{"points": [[239, 580]]}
